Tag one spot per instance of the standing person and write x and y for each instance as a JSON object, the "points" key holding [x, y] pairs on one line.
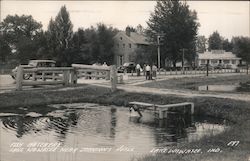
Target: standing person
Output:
{"points": [[154, 70], [104, 64], [138, 69], [148, 68]]}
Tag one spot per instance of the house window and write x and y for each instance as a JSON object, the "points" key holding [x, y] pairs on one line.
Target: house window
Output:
{"points": [[203, 61], [123, 45], [120, 38], [138, 46], [117, 45], [226, 61], [233, 61], [129, 45]]}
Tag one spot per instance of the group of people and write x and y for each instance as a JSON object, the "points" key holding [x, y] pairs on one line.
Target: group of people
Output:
{"points": [[147, 70]]}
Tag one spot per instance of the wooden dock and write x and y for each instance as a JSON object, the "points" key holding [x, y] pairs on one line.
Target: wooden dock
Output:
{"points": [[162, 110]]}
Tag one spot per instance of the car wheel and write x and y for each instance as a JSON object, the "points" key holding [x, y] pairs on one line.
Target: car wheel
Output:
{"points": [[26, 76]]}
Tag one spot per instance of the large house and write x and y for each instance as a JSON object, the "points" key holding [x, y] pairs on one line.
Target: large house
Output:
{"points": [[216, 57], [125, 45]]}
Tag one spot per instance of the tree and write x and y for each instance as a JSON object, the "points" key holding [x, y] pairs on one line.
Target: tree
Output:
{"points": [[59, 37], [130, 28], [4, 49], [215, 41], [227, 46], [64, 28], [20, 34], [140, 29], [105, 43], [146, 55], [241, 47], [179, 27], [201, 44]]}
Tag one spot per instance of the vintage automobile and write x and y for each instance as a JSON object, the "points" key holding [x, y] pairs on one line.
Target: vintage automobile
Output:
{"points": [[33, 64], [204, 67], [127, 67]]}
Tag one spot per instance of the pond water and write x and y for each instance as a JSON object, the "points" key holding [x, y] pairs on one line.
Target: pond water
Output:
{"points": [[241, 87], [96, 133]]}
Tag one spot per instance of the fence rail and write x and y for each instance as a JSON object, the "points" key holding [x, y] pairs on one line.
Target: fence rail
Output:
{"points": [[44, 76], [90, 71], [64, 75]]}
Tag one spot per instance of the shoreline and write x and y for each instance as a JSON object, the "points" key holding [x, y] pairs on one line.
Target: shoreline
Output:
{"points": [[234, 111]]}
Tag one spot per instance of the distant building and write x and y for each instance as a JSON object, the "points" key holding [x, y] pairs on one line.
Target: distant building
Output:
{"points": [[125, 45], [216, 57]]}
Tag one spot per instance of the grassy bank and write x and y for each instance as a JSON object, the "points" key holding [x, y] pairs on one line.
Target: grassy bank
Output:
{"points": [[226, 108], [192, 82], [235, 111]]}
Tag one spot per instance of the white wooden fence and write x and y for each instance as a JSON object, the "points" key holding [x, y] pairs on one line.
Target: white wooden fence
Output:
{"points": [[64, 75], [97, 72], [44, 76], [92, 72]]}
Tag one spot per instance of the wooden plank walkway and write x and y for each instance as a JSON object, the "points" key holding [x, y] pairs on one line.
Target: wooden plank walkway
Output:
{"points": [[161, 109]]}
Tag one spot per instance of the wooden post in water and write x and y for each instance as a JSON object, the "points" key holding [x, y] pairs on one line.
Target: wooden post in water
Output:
{"points": [[113, 78], [19, 78]]}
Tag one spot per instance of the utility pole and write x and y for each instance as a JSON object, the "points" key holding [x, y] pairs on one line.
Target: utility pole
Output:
{"points": [[159, 51], [159, 39], [207, 67]]}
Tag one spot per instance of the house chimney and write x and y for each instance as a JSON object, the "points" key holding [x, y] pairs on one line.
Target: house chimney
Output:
{"points": [[128, 31]]}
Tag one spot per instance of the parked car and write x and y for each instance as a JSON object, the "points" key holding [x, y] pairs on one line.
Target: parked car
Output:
{"points": [[230, 66], [219, 66], [33, 64], [128, 67], [204, 67]]}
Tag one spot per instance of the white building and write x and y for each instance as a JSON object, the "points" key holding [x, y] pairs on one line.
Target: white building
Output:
{"points": [[216, 57]]}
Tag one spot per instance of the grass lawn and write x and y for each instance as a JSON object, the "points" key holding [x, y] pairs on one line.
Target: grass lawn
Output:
{"points": [[193, 82], [237, 112]]}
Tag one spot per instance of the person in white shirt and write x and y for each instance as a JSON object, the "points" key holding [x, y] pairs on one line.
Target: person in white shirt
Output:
{"points": [[138, 69], [104, 64], [148, 68]]}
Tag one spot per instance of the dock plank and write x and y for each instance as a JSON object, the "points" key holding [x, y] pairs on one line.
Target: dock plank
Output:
{"points": [[141, 104]]}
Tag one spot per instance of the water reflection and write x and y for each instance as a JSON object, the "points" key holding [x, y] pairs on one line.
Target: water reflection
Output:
{"points": [[91, 125], [224, 88], [240, 87]]}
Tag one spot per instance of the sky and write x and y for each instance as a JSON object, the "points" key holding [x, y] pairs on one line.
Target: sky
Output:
{"points": [[229, 18]]}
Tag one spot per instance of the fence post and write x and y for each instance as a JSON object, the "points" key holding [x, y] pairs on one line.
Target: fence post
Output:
{"points": [[19, 78], [66, 77], [73, 76], [108, 74], [43, 76], [113, 78], [34, 76]]}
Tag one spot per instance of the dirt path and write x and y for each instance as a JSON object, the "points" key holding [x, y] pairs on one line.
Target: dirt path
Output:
{"points": [[131, 86]]}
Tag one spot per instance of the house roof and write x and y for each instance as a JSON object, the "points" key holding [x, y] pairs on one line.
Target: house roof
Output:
{"points": [[217, 55], [136, 38]]}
